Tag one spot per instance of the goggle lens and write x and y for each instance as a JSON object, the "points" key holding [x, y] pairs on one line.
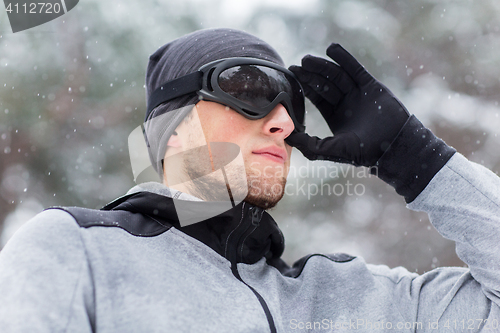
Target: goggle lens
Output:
{"points": [[258, 86]]}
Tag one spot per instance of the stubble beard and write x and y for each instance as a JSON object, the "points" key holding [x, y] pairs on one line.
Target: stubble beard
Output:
{"points": [[263, 190]]}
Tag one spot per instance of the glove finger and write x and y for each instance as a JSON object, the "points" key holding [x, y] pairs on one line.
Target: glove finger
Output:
{"points": [[325, 108], [330, 71], [301, 141], [319, 65], [301, 74], [329, 111], [352, 67], [318, 84], [304, 78], [342, 148], [316, 99]]}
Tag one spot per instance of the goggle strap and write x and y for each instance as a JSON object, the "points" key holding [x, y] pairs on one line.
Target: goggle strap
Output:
{"points": [[172, 89]]}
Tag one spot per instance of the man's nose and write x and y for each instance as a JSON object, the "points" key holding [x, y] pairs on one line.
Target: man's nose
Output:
{"points": [[278, 122]]}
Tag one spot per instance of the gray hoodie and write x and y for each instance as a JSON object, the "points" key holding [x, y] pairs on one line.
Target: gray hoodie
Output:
{"points": [[132, 268]]}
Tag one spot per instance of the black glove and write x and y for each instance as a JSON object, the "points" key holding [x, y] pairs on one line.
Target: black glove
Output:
{"points": [[364, 116]]}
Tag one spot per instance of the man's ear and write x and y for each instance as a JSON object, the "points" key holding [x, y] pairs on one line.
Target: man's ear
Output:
{"points": [[174, 141]]}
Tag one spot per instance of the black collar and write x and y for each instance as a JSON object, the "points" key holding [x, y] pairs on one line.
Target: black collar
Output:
{"points": [[243, 234]]}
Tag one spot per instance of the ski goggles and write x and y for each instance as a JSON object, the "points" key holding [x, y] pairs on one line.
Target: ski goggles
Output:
{"points": [[251, 87]]}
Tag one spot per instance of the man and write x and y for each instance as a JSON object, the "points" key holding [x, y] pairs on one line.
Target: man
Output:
{"points": [[162, 259]]}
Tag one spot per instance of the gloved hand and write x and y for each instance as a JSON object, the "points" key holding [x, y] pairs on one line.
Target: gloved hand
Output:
{"points": [[364, 116]]}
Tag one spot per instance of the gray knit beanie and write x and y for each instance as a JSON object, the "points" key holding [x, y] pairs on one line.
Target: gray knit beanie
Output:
{"points": [[183, 56]]}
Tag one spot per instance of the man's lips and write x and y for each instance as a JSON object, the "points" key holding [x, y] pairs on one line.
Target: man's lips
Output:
{"points": [[273, 153]]}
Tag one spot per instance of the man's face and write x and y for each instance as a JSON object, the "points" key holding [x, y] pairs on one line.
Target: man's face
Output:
{"points": [[262, 142]]}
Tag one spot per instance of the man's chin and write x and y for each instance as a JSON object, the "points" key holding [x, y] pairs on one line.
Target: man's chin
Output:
{"points": [[261, 202], [266, 197]]}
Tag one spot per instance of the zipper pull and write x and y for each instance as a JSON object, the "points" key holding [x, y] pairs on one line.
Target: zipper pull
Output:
{"points": [[256, 214]]}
